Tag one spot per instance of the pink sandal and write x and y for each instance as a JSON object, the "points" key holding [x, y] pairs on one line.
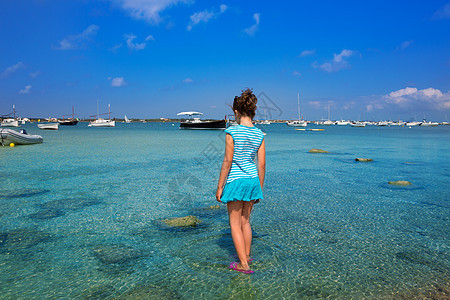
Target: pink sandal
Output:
{"points": [[233, 266]]}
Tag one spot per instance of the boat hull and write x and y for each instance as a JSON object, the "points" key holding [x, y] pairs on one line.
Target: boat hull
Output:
{"points": [[8, 136], [51, 126], [297, 124], [219, 124], [104, 123], [68, 122], [10, 124]]}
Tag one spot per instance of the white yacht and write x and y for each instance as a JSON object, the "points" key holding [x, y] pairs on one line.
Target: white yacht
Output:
{"points": [[100, 122], [299, 122], [342, 122], [11, 122], [429, 123]]}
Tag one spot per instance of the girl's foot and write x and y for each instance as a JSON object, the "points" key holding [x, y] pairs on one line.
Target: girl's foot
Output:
{"points": [[238, 267]]}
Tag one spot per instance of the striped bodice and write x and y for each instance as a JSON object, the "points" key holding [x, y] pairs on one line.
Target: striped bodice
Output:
{"points": [[247, 141]]}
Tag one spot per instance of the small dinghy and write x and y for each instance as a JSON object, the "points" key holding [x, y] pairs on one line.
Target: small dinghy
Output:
{"points": [[8, 136], [49, 126]]}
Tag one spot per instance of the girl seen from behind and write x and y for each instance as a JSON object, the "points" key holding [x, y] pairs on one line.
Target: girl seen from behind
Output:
{"points": [[241, 179]]}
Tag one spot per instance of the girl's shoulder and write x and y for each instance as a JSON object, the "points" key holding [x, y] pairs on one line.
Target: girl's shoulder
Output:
{"points": [[244, 130]]}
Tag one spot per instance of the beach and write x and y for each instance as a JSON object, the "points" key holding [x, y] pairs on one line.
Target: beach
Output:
{"points": [[81, 215]]}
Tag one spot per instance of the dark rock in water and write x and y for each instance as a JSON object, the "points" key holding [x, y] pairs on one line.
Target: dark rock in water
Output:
{"points": [[318, 151], [21, 239], [116, 254], [22, 193], [68, 204], [47, 214], [189, 221], [400, 182], [363, 159], [151, 292]]}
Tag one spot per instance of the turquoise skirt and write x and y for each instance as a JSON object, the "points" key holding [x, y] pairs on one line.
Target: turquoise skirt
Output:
{"points": [[243, 189]]}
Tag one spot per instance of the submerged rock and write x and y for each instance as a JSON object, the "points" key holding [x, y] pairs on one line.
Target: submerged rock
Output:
{"points": [[188, 221], [115, 254], [318, 151], [363, 159], [21, 239], [214, 207], [400, 182]]}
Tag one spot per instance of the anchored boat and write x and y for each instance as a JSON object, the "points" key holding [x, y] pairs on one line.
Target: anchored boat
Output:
{"points": [[8, 136], [196, 123]]}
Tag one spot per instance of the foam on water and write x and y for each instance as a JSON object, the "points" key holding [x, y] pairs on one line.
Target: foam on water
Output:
{"points": [[81, 215]]}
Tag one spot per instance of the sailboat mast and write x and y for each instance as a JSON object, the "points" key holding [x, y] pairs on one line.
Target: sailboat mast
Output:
{"points": [[298, 105], [14, 111], [109, 111], [72, 113], [97, 110]]}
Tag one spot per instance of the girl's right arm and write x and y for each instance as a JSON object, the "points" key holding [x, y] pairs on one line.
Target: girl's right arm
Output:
{"points": [[262, 163], [226, 165]]}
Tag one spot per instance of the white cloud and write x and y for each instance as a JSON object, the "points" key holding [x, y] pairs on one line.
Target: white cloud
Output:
{"points": [[78, 40], [117, 81], [148, 10], [10, 70], [136, 46], [338, 62], [442, 13], [26, 90], [116, 47], [205, 16], [35, 74], [307, 53], [412, 97], [251, 30], [188, 80], [296, 73], [405, 45]]}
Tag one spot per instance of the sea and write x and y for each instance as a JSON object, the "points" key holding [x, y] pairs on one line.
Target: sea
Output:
{"points": [[81, 215]]}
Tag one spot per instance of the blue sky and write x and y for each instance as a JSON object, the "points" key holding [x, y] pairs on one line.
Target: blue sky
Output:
{"points": [[155, 58]]}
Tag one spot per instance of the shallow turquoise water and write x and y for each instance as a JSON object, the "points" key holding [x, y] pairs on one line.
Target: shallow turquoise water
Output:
{"points": [[80, 215]]}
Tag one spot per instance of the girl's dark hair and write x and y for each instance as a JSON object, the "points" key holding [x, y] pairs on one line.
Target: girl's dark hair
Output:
{"points": [[245, 104]]}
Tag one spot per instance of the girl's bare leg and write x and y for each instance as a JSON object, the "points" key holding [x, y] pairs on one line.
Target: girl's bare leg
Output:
{"points": [[245, 226], [235, 209]]}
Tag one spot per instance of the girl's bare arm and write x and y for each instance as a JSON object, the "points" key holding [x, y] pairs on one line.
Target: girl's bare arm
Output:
{"points": [[226, 165], [262, 163]]}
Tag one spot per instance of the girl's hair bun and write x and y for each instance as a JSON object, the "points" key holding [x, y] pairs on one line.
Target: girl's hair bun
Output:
{"points": [[245, 104]]}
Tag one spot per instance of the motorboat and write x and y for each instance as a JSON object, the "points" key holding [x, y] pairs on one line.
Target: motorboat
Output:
{"points": [[328, 123], [409, 124], [342, 122], [49, 126], [10, 122], [196, 123], [429, 123], [8, 136], [358, 124], [69, 121], [299, 122], [100, 122], [382, 123]]}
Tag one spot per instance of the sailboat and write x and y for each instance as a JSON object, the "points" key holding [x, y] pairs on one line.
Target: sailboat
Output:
{"points": [[127, 120], [299, 122], [328, 122], [70, 121], [100, 122], [11, 122]]}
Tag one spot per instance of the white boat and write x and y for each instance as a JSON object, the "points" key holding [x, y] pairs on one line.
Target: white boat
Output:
{"points": [[358, 124], [429, 123], [196, 123], [328, 123], [342, 122], [102, 123], [127, 120], [409, 124], [299, 122], [382, 123], [99, 122], [8, 136], [49, 126], [10, 122]]}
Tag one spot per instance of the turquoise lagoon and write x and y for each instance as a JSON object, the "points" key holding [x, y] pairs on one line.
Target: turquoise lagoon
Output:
{"points": [[81, 215]]}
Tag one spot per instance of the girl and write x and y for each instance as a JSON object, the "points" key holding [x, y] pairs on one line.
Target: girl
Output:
{"points": [[240, 182]]}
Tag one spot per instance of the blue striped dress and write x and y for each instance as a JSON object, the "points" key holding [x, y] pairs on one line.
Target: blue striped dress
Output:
{"points": [[243, 182]]}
